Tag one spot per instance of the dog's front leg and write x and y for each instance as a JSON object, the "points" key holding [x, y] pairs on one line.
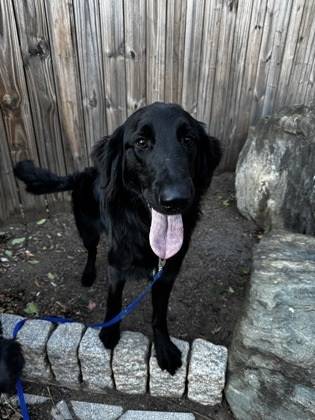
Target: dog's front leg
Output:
{"points": [[110, 336], [168, 355]]}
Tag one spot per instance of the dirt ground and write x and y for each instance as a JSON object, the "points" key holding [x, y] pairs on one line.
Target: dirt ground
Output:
{"points": [[41, 260]]}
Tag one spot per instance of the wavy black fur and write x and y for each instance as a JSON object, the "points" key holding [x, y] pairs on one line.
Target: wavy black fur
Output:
{"points": [[161, 157], [11, 363]]}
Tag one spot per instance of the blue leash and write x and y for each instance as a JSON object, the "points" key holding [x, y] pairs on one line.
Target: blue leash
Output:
{"points": [[60, 320]]}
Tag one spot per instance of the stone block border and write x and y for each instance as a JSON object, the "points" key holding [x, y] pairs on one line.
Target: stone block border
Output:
{"points": [[72, 355]]}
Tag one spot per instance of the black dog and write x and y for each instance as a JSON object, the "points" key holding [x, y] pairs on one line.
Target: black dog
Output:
{"points": [[145, 192], [11, 363]]}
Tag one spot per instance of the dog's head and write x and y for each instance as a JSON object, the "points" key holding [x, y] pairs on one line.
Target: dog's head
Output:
{"points": [[162, 154]]}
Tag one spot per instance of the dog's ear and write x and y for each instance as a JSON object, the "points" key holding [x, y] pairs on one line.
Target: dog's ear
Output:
{"points": [[208, 158], [107, 155]]}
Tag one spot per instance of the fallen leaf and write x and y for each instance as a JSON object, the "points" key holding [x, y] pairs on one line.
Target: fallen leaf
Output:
{"points": [[33, 262], [31, 309], [226, 203], [41, 221], [216, 330], [8, 253], [18, 241]]}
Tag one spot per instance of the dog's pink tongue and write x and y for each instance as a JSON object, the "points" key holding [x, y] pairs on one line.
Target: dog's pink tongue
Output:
{"points": [[166, 234]]}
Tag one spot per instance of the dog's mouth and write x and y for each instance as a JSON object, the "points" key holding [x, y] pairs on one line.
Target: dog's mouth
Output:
{"points": [[166, 233]]}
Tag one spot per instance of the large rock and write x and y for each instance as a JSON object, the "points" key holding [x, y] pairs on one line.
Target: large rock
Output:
{"points": [[272, 357], [275, 174]]}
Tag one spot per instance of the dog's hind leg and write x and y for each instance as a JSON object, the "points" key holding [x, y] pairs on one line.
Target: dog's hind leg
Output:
{"points": [[90, 237], [110, 336], [90, 234], [89, 272]]}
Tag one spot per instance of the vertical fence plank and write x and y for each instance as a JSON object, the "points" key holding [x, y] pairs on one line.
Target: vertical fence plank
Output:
{"points": [[175, 49], [156, 38], [64, 55], [14, 97], [289, 50], [270, 51], [301, 78], [9, 198], [113, 44], [310, 88], [34, 41], [240, 116], [281, 15], [31, 22], [193, 40], [221, 92], [211, 31], [237, 72], [135, 34], [87, 21]]}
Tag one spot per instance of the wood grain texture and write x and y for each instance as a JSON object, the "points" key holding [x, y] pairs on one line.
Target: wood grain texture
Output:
{"points": [[135, 53], [193, 42], [175, 49], [156, 39], [65, 63], [281, 17], [275, 16], [301, 79], [224, 64], [249, 29], [14, 99], [34, 41], [236, 79], [113, 46], [208, 60], [87, 22], [247, 94], [289, 52], [9, 197], [35, 49]]}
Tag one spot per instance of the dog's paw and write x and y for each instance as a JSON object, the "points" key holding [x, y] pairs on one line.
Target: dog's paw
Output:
{"points": [[110, 337], [169, 357], [88, 276]]}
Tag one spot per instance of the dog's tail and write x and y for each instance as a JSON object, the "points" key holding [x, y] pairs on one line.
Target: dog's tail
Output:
{"points": [[42, 181]]}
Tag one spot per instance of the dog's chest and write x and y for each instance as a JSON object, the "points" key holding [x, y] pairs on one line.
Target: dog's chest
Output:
{"points": [[129, 244]]}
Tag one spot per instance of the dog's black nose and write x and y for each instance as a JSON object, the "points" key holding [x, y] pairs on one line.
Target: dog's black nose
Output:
{"points": [[175, 197]]}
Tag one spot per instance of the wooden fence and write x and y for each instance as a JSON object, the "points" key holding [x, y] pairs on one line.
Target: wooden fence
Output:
{"points": [[73, 70]]}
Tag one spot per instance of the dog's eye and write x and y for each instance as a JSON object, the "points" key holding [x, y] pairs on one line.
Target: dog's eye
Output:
{"points": [[186, 141], [142, 143]]}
